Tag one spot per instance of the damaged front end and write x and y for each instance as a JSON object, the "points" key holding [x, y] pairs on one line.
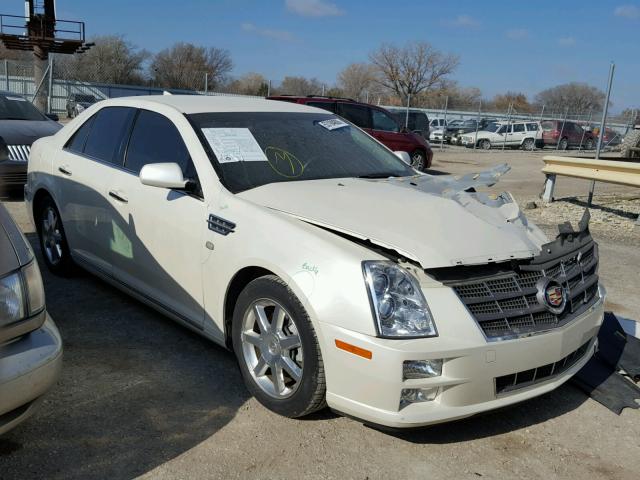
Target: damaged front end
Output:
{"points": [[526, 297]]}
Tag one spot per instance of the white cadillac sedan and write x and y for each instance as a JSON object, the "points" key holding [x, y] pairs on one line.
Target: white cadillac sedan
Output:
{"points": [[337, 274]]}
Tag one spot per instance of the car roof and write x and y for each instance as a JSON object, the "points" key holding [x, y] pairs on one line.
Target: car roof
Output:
{"points": [[190, 104]]}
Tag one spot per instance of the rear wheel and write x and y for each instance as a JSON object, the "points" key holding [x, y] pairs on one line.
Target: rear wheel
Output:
{"points": [[53, 240], [277, 349], [563, 144], [588, 144], [529, 144], [485, 144], [418, 160]]}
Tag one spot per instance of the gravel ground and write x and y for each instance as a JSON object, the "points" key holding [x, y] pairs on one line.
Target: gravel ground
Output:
{"points": [[141, 396]]}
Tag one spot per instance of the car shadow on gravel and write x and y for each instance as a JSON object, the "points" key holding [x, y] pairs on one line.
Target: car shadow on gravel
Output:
{"points": [[614, 211], [523, 415], [136, 390]]}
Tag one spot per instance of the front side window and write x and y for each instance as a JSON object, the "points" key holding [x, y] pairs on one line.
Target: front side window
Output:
{"points": [[253, 149], [107, 136], [382, 121], [502, 129], [359, 115], [155, 139]]}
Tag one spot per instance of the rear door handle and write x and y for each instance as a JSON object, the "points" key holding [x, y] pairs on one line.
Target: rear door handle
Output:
{"points": [[118, 196], [65, 170]]}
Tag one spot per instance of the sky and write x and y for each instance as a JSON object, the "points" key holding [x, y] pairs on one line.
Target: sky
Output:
{"points": [[524, 46]]}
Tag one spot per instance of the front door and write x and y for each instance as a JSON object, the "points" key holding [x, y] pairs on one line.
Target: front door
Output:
{"points": [[164, 227]]}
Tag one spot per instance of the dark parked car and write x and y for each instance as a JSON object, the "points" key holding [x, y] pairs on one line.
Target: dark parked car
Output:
{"points": [[21, 124], [374, 120], [417, 121], [30, 345], [78, 102], [564, 134]]}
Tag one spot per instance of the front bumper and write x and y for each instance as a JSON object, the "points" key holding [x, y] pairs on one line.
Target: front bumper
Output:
{"points": [[370, 389], [29, 367]]}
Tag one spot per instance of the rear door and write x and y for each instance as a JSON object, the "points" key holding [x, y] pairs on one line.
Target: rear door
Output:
{"points": [[518, 133], [84, 169], [387, 131], [165, 227]]}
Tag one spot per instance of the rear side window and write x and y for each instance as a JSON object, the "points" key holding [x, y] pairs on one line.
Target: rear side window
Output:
{"points": [[155, 139], [106, 138], [77, 141], [359, 115], [330, 106], [518, 127], [547, 126]]}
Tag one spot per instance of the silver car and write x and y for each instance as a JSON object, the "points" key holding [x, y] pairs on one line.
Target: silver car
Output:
{"points": [[30, 345]]}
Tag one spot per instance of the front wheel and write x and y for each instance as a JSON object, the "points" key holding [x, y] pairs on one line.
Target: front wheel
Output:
{"points": [[529, 144], [53, 240], [588, 145], [277, 349], [418, 160]]}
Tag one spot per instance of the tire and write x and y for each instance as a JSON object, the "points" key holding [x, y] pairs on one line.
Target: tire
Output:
{"points": [[485, 144], [631, 139], [53, 240], [265, 350], [418, 160], [529, 144], [588, 145], [563, 144]]}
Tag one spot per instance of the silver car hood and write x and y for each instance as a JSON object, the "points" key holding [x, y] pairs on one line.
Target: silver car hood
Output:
{"points": [[429, 219]]}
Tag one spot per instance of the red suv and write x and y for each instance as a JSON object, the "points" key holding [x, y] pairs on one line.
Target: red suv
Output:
{"points": [[376, 121], [563, 135]]}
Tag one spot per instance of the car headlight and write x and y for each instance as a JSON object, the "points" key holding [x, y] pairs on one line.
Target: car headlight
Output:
{"points": [[21, 295], [399, 308]]}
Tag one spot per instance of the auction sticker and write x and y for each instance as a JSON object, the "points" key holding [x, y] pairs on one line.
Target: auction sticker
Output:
{"points": [[234, 145], [333, 124]]}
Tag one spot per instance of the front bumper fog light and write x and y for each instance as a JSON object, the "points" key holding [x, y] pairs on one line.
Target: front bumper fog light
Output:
{"points": [[412, 369], [417, 395]]}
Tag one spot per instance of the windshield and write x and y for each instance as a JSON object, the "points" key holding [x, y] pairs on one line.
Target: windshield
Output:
{"points": [[492, 127], [18, 108], [253, 149]]}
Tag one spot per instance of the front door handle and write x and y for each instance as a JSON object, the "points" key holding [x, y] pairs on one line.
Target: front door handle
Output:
{"points": [[65, 170], [118, 196]]}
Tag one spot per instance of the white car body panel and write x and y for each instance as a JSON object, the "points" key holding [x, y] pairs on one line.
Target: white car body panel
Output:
{"points": [[305, 233]]}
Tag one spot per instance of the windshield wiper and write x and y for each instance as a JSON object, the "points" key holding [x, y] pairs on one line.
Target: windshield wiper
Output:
{"points": [[378, 175]]}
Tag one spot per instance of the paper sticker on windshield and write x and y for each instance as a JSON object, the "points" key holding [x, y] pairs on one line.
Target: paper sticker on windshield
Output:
{"points": [[16, 99], [234, 145], [333, 124]]}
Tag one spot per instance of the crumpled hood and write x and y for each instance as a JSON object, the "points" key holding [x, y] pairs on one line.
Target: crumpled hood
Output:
{"points": [[425, 218], [25, 132]]}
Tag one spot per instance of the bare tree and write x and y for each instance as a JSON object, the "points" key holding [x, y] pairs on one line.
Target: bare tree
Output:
{"points": [[188, 66], [517, 100], [577, 97], [410, 70], [300, 86], [358, 81], [249, 84], [112, 60]]}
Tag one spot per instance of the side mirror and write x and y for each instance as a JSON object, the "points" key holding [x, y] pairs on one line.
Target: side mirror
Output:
{"points": [[52, 116], [163, 175], [404, 156]]}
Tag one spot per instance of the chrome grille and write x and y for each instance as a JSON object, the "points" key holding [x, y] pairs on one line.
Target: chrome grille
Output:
{"points": [[505, 304], [19, 153]]}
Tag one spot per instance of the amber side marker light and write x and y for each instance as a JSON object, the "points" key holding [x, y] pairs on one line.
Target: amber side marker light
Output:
{"points": [[347, 347]]}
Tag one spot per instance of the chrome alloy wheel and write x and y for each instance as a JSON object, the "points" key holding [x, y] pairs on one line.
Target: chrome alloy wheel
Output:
{"points": [[51, 235], [271, 348]]}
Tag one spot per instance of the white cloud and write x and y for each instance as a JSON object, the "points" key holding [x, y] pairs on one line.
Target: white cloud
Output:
{"points": [[282, 35], [566, 41], [314, 8], [627, 11], [517, 33], [464, 21]]}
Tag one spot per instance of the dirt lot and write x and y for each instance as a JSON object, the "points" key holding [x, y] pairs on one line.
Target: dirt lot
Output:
{"points": [[142, 396]]}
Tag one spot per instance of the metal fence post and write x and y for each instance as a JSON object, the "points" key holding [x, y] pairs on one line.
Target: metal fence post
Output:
{"points": [[406, 117], [6, 74], [444, 122], [602, 126], [542, 113], [475, 141], [269, 89], [584, 130], [504, 142], [564, 120], [206, 82], [50, 85]]}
